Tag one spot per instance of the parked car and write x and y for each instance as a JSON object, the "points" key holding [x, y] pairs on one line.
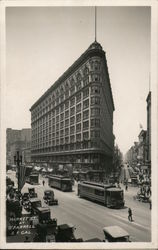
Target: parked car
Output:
{"points": [[32, 193], [115, 234], [34, 204], [49, 197], [65, 233]]}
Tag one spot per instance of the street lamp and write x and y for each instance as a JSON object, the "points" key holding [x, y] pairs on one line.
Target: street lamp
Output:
{"points": [[18, 161]]}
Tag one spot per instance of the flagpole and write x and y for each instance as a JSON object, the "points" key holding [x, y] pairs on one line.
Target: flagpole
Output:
{"points": [[149, 83], [95, 23]]}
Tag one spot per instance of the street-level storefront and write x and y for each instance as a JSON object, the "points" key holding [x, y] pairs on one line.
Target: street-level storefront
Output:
{"points": [[83, 161]]}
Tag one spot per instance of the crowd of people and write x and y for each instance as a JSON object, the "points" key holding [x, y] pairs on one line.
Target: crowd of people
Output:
{"points": [[145, 190]]}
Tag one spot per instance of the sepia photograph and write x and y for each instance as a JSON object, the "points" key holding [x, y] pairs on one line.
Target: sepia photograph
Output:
{"points": [[78, 125]]}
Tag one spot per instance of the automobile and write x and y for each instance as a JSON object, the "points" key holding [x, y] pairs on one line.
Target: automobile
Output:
{"points": [[49, 197], [65, 233], [47, 227], [25, 197], [46, 232], [34, 204], [33, 179], [32, 193], [44, 214], [115, 234], [25, 200]]}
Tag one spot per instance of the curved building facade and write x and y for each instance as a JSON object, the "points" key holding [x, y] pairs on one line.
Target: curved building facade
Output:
{"points": [[72, 122]]}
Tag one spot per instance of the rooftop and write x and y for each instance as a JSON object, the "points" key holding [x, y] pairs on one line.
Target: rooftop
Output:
{"points": [[115, 231]]}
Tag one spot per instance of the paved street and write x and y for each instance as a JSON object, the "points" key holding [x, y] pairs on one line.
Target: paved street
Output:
{"points": [[89, 218]]}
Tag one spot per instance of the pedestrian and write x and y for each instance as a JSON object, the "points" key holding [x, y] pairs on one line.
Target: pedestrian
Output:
{"points": [[148, 191], [43, 182], [130, 214], [31, 222], [150, 204], [126, 187]]}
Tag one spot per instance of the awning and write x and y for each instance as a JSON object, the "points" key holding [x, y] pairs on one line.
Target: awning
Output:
{"points": [[37, 168], [44, 170], [50, 169], [75, 172]]}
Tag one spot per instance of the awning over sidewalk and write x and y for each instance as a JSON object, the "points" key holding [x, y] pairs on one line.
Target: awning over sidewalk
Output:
{"points": [[50, 170], [37, 168]]}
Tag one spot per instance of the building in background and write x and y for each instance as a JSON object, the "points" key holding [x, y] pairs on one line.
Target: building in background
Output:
{"points": [[26, 154], [139, 155], [72, 122], [132, 155], [17, 140]]}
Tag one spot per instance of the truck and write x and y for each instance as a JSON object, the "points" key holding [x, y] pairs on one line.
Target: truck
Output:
{"points": [[47, 227], [49, 231]]}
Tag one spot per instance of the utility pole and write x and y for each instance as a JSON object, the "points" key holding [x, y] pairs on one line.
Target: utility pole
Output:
{"points": [[18, 161]]}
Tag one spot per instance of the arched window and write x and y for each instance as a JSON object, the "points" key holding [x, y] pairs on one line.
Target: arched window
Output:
{"points": [[78, 77], [53, 96], [61, 89], [96, 65], [57, 93], [66, 86], [86, 71], [72, 82]]}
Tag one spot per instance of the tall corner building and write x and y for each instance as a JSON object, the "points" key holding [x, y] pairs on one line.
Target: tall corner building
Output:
{"points": [[72, 122]]}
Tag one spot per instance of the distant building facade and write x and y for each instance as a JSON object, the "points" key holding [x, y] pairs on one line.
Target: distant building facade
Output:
{"points": [[72, 122], [142, 148], [131, 155], [140, 153], [17, 140]]}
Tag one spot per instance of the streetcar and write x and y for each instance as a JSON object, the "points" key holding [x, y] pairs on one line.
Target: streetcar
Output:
{"points": [[109, 195], [89, 175], [33, 179], [60, 182]]}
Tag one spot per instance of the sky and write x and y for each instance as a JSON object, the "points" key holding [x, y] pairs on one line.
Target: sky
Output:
{"points": [[42, 42]]}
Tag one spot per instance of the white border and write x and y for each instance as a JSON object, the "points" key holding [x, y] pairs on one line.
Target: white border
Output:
{"points": [[154, 89]]}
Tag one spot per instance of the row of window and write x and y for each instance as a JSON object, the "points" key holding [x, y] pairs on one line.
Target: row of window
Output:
{"points": [[94, 90], [91, 157], [94, 111], [93, 134], [93, 123], [71, 146]]}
